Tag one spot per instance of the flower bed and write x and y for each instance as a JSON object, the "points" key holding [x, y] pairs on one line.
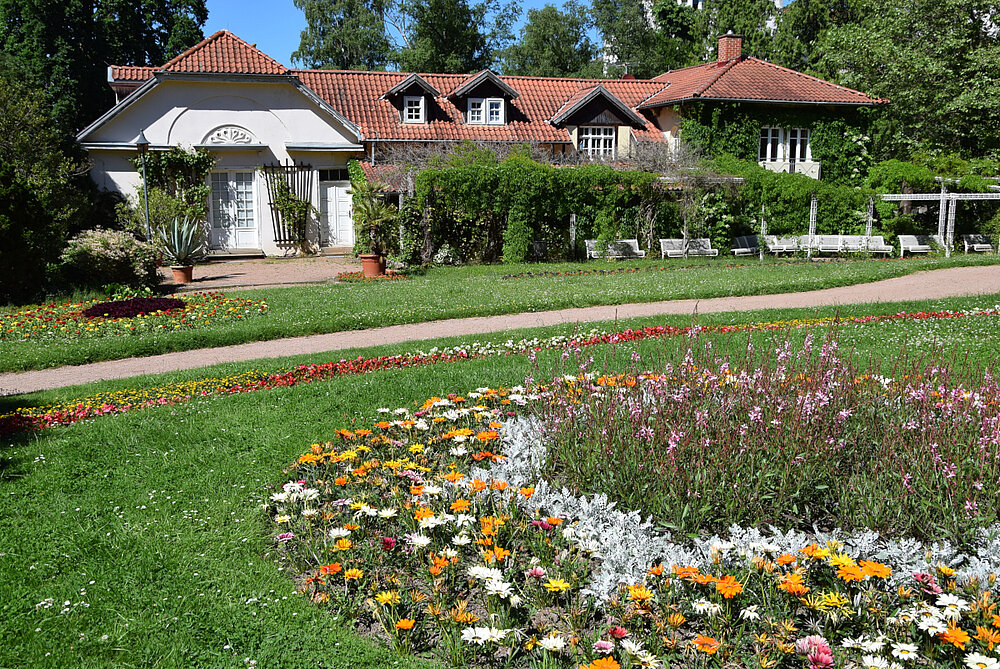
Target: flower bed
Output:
{"points": [[426, 530], [72, 411], [66, 320], [359, 277]]}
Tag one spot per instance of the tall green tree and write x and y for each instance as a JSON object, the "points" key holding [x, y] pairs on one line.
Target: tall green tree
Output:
{"points": [[754, 19], [801, 28], [455, 36], [644, 39], [64, 48], [553, 43], [344, 34], [938, 61]]}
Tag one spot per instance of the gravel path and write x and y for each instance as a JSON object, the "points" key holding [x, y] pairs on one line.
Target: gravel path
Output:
{"points": [[264, 272], [936, 284]]}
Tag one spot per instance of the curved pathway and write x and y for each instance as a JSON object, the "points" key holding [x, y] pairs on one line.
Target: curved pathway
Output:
{"points": [[935, 284]]}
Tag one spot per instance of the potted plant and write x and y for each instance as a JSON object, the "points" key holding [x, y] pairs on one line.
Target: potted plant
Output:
{"points": [[182, 242], [375, 227]]}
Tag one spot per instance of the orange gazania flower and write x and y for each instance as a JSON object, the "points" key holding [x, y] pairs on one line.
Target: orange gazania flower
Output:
{"points": [[686, 572], [706, 644], [499, 485], [423, 512], [875, 569], [363, 432], [497, 554], [340, 480], [815, 552], [655, 571], [729, 586], [850, 572], [488, 435], [343, 544], [527, 492], [350, 527], [477, 485], [460, 505], [330, 568], [676, 619], [996, 621], [602, 663], [346, 434], [405, 624], [435, 570], [552, 520], [793, 585], [989, 637], [495, 425], [785, 558], [416, 490], [704, 579], [955, 636], [383, 425], [453, 477], [353, 574]]}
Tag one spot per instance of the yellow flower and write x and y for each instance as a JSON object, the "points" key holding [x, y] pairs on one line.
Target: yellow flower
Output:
{"points": [[556, 585], [639, 593], [387, 598], [353, 574], [282, 518]]}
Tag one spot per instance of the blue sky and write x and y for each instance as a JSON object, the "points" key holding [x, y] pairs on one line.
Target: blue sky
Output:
{"points": [[273, 25]]}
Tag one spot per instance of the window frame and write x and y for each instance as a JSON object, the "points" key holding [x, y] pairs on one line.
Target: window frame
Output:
{"points": [[501, 108], [775, 145], [482, 107], [421, 109], [229, 205], [587, 135]]}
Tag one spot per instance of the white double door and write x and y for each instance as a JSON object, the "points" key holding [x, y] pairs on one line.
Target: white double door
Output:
{"points": [[336, 225], [234, 211]]}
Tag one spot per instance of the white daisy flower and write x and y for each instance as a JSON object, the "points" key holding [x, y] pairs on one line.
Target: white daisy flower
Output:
{"points": [[979, 661], [338, 532], [905, 651], [552, 643]]}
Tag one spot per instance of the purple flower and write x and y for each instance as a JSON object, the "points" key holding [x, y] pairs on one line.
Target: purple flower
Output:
{"points": [[604, 647], [285, 537]]}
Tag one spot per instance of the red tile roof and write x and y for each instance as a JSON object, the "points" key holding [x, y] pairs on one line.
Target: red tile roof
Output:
{"points": [[226, 53], [751, 79], [132, 73], [356, 96]]}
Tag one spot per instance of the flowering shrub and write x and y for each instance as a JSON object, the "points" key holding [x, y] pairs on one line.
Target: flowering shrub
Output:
{"points": [[97, 257], [132, 307], [359, 277], [67, 320], [407, 528], [788, 438]]}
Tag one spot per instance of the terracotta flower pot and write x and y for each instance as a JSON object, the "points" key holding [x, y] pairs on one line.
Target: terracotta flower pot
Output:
{"points": [[182, 274], [372, 264]]}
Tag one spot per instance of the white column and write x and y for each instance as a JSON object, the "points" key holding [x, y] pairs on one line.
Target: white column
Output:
{"points": [[813, 208]]}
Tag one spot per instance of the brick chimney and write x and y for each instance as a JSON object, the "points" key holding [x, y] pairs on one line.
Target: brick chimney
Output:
{"points": [[730, 47]]}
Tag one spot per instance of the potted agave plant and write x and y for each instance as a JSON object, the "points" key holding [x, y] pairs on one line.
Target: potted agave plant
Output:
{"points": [[182, 242], [374, 223]]}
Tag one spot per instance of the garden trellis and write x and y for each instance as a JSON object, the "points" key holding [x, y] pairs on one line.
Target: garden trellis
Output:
{"points": [[947, 213], [289, 190]]}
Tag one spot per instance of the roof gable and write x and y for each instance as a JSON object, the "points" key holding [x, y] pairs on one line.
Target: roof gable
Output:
{"points": [[224, 53], [411, 81], [477, 80], [584, 96]]}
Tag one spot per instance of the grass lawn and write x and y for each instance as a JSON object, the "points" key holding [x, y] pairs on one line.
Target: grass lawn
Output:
{"points": [[472, 291], [149, 523]]}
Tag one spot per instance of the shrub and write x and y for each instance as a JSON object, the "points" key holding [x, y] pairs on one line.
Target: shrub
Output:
{"points": [[95, 258], [133, 307]]}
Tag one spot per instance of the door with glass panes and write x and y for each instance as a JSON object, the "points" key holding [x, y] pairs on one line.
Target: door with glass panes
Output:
{"points": [[234, 220], [336, 224]]}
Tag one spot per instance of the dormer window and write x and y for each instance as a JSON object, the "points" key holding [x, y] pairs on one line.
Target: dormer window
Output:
{"points": [[413, 109], [597, 141], [485, 111]]}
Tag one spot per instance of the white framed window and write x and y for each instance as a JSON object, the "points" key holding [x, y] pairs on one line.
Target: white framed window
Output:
{"points": [[486, 111], [597, 141], [413, 109], [232, 200], [784, 145], [494, 111]]}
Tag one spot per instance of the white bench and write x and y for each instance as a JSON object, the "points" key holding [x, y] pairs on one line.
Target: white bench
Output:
{"points": [[782, 245], [701, 247], [977, 243], [915, 244], [671, 248], [876, 244], [853, 243], [828, 244], [623, 248], [748, 245]]}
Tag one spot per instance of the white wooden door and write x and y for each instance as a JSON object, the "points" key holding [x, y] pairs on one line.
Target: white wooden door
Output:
{"points": [[336, 224], [233, 211]]}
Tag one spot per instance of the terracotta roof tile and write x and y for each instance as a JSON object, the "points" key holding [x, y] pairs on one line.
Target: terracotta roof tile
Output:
{"points": [[131, 73], [226, 53], [356, 95], [750, 78]]}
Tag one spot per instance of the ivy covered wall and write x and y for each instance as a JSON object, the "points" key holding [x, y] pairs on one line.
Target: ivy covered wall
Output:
{"points": [[838, 137]]}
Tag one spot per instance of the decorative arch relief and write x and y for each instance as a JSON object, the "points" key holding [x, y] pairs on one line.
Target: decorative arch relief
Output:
{"points": [[230, 134]]}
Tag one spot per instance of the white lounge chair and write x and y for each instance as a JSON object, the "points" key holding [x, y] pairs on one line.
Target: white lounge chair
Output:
{"points": [[915, 244], [977, 243], [876, 244], [828, 244], [782, 245], [701, 247], [671, 248], [623, 248], [748, 245]]}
